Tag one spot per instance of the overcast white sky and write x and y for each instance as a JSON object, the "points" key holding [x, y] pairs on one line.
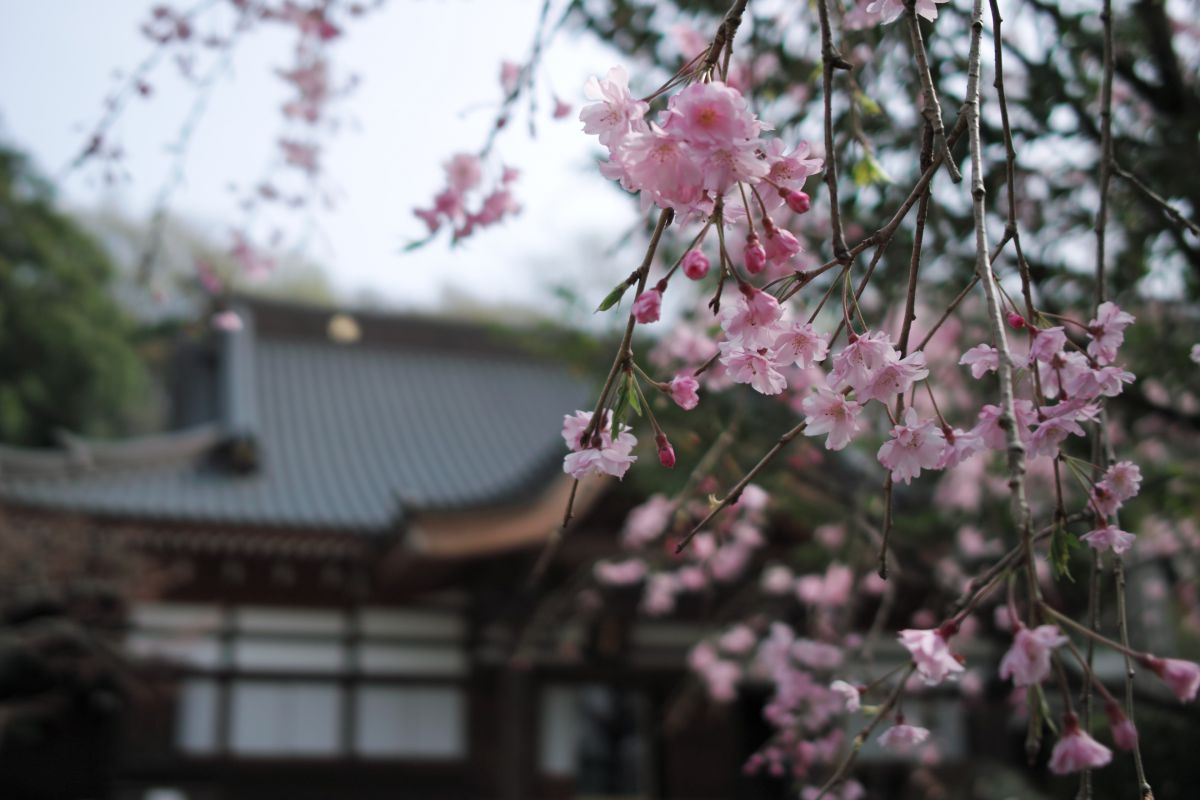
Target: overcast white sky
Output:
{"points": [[423, 64]]}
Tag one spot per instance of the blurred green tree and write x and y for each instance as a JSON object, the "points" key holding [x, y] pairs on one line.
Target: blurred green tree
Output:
{"points": [[68, 357]]}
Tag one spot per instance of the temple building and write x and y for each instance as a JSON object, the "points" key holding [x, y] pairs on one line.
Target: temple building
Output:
{"points": [[343, 518]]}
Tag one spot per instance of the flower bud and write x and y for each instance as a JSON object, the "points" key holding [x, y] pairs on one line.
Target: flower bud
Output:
{"points": [[755, 254], [797, 201], [695, 264], [666, 453], [1123, 732], [1015, 320]]}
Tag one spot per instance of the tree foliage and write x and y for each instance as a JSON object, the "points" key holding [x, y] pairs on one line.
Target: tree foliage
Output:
{"points": [[67, 354]]}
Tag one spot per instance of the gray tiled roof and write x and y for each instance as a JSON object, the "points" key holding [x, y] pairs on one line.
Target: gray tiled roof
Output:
{"points": [[347, 436]]}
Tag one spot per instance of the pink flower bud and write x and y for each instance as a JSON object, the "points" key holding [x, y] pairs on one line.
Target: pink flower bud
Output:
{"points": [[695, 264], [1015, 320], [647, 306], [1181, 677], [756, 256], [797, 201], [666, 453], [1123, 731]]}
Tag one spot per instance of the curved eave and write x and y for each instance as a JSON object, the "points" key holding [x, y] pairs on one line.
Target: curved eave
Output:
{"points": [[77, 454], [484, 531]]}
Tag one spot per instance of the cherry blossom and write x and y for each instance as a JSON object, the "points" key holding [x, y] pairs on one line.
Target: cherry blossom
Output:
{"points": [[1107, 332], [902, 738], [1109, 537], [611, 457], [915, 445], [931, 654], [684, 391], [1076, 751], [831, 412], [892, 378], [1123, 480], [620, 573], [1124, 732], [755, 367], [801, 345], [1182, 677], [982, 358], [849, 693], [1027, 662], [855, 365], [751, 318], [616, 112], [890, 10]]}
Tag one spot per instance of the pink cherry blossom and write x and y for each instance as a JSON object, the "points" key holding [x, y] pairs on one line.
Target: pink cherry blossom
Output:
{"points": [[659, 597], [1123, 480], [858, 361], [755, 367], [893, 378], [801, 345], [1110, 537], [1027, 662], [1182, 677], [562, 109], [647, 306], [1092, 383], [931, 654], [890, 10], [1046, 343], [1104, 501], [615, 112], [647, 522], [791, 170], [915, 445], [849, 693], [684, 391], [227, 321], [611, 457], [620, 573], [1107, 332], [463, 172], [781, 245], [751, 318], [988, 426], [902, 738], [711, 114], [960, 445], [982, 358], [832, 413], [1076, 751], [1124, 732], [776, 579]]}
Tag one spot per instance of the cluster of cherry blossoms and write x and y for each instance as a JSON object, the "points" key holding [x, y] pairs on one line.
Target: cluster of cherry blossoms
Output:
{"points": [[715, 557], [463, 204], [704, 144], [701, 157]]}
